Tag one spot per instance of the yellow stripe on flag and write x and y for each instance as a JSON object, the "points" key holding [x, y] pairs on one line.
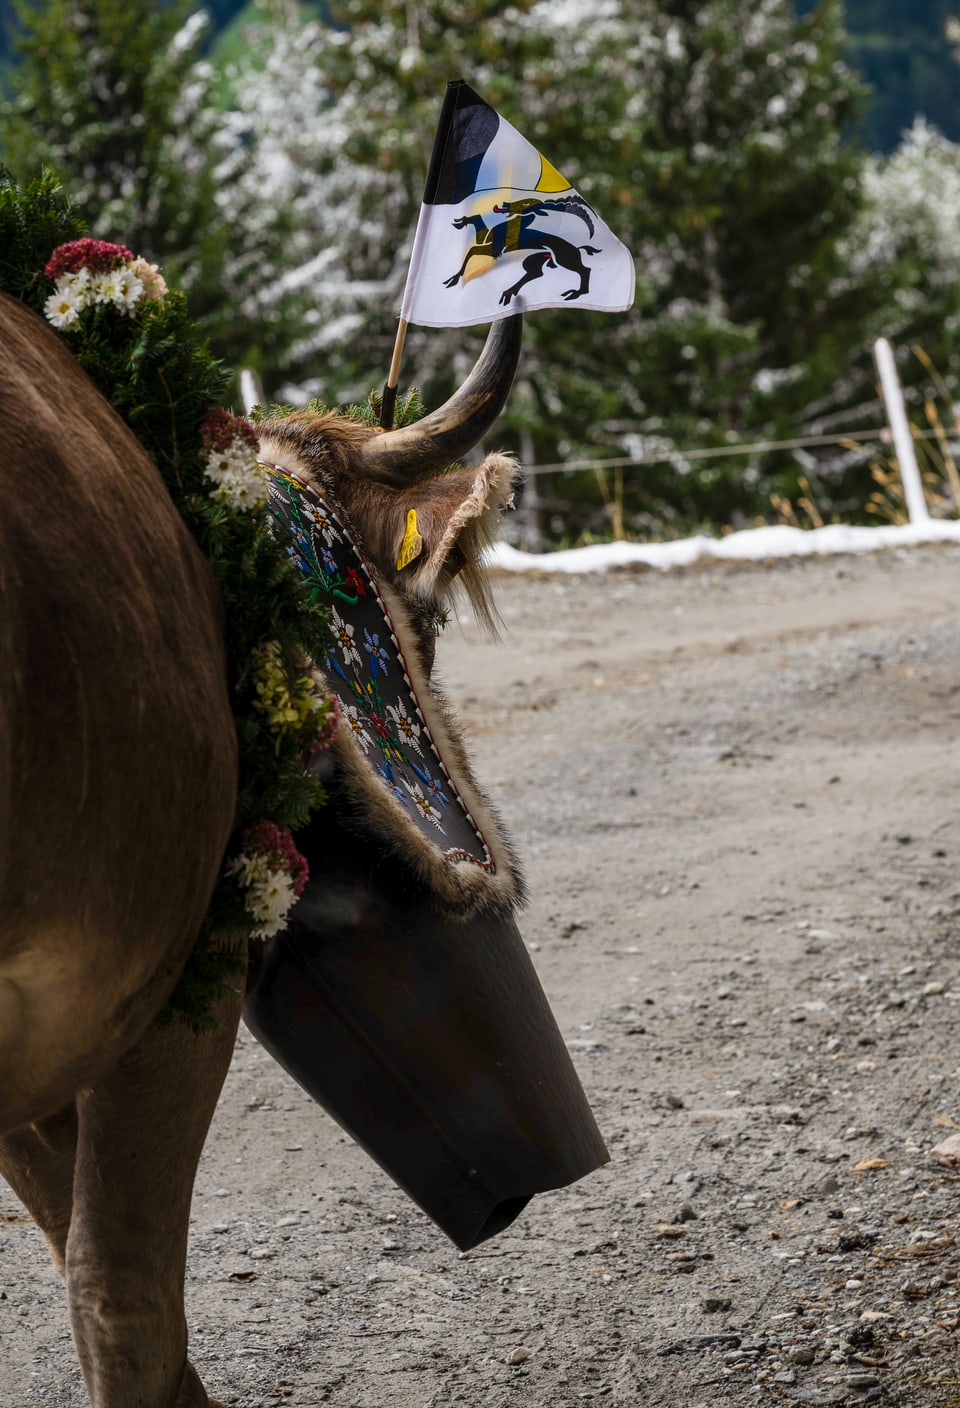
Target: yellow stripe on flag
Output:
{"points": [[550, 178]]}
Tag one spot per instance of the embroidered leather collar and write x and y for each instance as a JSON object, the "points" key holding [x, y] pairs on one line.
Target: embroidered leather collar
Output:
{"points": [[366, 669]]}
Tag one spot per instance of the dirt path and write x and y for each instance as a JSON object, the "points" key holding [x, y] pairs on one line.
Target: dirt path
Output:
{"points": [[736, 792]]}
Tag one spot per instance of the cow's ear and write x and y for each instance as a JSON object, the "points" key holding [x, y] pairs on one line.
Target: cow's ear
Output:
{"points": [[444, 524]]}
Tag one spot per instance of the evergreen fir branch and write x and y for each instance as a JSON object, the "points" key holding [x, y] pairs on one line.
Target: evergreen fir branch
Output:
{"points": [[152, 363], [33, 221]]}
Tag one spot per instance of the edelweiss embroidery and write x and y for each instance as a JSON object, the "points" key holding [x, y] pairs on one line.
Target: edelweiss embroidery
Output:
{"points": [[364, 667]]}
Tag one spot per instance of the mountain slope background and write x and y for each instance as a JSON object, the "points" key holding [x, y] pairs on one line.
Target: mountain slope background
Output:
{"points": [[903, 56]]}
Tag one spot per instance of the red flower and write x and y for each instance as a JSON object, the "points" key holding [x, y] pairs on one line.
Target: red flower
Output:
{"points": [[96, 255], [331, 727], [380, 726], [276, 844], [355, 582], [219, 429]]}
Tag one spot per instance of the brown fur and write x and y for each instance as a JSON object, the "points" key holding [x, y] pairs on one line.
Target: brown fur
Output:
{"points": [[117, 788], [457, 512]]}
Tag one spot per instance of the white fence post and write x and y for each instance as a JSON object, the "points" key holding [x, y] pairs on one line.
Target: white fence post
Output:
{"points": [[251, 389], [900, 429]]}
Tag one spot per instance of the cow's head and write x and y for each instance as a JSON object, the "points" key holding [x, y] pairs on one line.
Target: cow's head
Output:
{"points": [[375, 482], [381, 479]]}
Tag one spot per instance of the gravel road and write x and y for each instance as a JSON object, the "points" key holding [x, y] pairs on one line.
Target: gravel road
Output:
{"points": [[735, 788]]}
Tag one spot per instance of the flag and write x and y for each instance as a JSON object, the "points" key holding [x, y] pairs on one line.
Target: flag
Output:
{"points": [[502, 232]]}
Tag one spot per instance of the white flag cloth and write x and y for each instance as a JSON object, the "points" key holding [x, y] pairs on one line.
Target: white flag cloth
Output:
{"points": [[502, 232]]}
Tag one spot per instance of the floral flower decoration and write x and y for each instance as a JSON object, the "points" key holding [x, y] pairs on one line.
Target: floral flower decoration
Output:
{"points": [[89, 272], [273, 874], [326, 725], [355, 582], [137, 342], [230, 448], [300, 707]]}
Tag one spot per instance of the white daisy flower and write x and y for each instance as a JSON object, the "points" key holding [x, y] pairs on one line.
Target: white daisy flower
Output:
{"points": [[242, 490], [222, 463], [238, 478], [64, 305], [270, 902], [270, 893], [105, 287], [130, 289], [74, 282]]}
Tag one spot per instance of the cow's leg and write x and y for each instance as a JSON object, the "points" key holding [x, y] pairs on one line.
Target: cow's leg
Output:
{"points": [[38, 1162], [140, 1134]]}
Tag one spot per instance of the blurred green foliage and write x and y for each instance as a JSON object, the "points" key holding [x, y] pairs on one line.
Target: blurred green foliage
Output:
{"points": [[899, 52], [276, 172]]}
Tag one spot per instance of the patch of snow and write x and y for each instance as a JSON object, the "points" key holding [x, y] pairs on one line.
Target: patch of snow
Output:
{"points": [[749, 545]]}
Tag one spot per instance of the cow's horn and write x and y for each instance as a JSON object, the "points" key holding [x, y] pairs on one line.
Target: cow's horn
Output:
{"points": [[418, 451]]}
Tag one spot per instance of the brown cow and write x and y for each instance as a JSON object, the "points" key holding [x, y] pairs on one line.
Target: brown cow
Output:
{"points": [[117, 791]]}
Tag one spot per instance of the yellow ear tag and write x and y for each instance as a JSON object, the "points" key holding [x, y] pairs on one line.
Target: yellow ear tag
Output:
{"points": [[412, 544]]}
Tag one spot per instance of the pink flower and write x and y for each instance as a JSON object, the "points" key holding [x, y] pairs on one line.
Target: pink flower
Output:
{"points": [[154, 284], [219, 429], [275, 844], [96, 255], [329, 729]]}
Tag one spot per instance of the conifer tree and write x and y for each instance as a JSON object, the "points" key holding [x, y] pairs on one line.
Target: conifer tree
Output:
{"points": [[384, 70], [273, 191], [911, 221], [115, 98], [104, 94], [717, 138], [748, 184]]}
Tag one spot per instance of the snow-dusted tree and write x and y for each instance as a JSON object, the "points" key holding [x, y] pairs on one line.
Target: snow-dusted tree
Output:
{"points": [[911, 221], [712, 135], [904, 246], [364, 158], [568, 85], [115, 97], [911, 224], [748, 185], [105, 93], [269, 184]]}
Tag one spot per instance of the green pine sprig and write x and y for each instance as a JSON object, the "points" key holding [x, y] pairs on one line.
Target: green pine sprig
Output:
{"points": [[156, 369]]}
